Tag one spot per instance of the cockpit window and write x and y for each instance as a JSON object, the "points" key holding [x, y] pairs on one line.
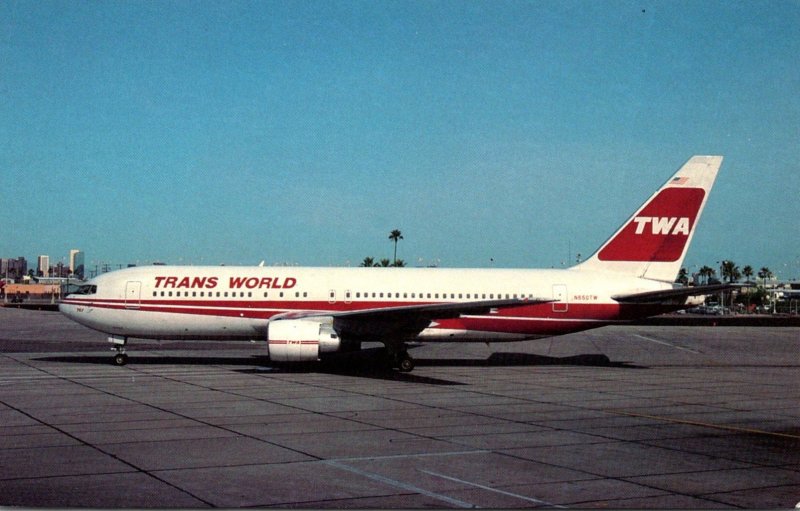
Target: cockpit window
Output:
{"points": [[88, 289]]}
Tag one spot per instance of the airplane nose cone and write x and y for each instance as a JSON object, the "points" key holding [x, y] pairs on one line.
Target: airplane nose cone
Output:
{"points": [[67, 309], [76, 313]]}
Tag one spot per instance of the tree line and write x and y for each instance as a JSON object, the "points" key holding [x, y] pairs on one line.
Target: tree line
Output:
{"points": [[370, 262], [755, 294], [730, 273]]}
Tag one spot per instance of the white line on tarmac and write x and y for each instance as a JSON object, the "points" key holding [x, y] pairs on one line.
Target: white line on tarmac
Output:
{"points": [[495, 490], [667, 344], [413, 455], [400, 484]]}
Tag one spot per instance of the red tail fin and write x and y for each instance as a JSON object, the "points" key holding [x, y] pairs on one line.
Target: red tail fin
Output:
{"points": [[654, 241]]}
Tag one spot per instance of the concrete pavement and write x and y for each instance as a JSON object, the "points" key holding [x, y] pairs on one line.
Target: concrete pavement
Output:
{"points": [[621, 417]]}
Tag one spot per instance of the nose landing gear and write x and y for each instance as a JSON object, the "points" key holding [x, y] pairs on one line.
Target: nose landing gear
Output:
{"points": [[120, 358]]}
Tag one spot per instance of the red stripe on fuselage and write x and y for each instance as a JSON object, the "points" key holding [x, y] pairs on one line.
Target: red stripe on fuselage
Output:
{"points": [[539, 319]]}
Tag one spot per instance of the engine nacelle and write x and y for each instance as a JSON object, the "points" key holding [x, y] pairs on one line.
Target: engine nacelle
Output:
{"points": [[301, 340]]}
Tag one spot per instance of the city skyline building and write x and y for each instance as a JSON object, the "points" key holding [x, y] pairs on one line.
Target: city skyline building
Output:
{"points": [[77, 262], [43, 265], [13, 268]]}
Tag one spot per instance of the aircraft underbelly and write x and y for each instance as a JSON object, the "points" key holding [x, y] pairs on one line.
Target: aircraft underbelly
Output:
{"points": [[165, 325]]}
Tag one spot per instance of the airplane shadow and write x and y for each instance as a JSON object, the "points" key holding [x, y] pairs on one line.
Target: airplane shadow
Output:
{"points": [[158, 360], [369, 363], [528, 359]]}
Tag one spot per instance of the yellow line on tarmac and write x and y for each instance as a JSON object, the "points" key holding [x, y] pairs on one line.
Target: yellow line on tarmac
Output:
{"points": [[705, 424]]}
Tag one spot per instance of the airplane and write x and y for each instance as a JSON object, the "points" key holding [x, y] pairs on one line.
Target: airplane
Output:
{"points": [[302, 314]]}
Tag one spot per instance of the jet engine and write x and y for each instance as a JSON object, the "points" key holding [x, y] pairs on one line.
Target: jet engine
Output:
{"points": [[301, 340]]}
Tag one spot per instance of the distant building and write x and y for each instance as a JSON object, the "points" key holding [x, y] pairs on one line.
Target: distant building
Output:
{"points": [[32, 292], [76, 263], [43, 266], [59, 270], [13, 269]]}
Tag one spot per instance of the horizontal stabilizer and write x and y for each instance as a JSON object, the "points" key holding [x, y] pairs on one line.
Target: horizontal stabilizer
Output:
{"points": [[666, 295]]}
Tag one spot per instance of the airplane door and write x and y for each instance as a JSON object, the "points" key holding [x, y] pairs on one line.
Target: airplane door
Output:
{"points": [[133, 295], [560, 297]]}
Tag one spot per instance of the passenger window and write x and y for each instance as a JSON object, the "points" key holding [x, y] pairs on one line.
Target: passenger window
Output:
{"points": [[281, 294]]}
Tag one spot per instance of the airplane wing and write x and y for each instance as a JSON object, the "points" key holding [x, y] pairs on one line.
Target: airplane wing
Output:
{"points": [[408, 320], [667, 295]]}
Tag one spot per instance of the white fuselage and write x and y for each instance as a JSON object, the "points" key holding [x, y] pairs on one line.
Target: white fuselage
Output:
{"points": [[189, 302]]}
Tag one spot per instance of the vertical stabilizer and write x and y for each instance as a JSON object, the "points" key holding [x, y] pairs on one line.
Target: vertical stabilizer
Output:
{"points": [[653, 242]]}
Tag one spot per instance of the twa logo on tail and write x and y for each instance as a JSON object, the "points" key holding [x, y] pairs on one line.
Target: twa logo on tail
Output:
{"points": [[660, 230], [662, 225]]}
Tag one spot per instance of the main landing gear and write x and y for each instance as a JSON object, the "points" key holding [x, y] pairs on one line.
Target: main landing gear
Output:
{"points": [[398, 354], [120, 358]]}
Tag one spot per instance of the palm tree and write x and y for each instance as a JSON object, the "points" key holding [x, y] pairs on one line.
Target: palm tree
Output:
{"points": [[765, 273], [707, 272], [683, 277], [730, 271], [368, 262], [384, 263], [395, 236], [399, 263], [747, 271]]}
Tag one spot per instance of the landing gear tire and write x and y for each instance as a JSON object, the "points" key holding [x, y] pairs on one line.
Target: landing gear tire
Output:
{"points": [[405, 363], [399, 357], [120, 359]]}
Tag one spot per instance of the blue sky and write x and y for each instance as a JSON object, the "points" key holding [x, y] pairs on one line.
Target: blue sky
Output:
{"points": [[304, 132]]}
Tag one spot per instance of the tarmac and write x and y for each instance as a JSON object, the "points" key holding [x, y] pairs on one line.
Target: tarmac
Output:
{"points": [[620, 417]]}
